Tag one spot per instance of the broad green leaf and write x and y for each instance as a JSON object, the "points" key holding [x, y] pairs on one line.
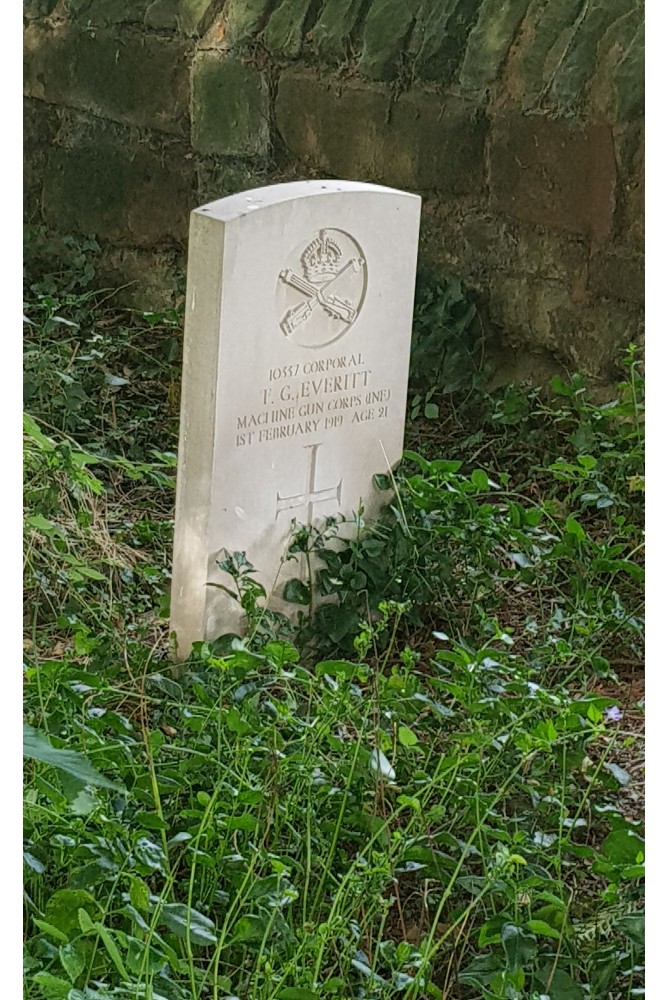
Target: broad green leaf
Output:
{"points": [[296, 592], [73, 959], [41, 523], [86, 925], [562, 986], [633, 925], [572, 527], [248, 929], [112, 948], [149, 854], [519, 947], [480, 479], [49, 929], [337, 668], [406, 737], [245, 822], [490, 932], [150, 821], [37, 747], [178, 918], [236, 724], [34, 863], [542, 928], [281, 652], [482, 970], [52, 987], [552, 914], [139, 894], [62, 908], [431, 411], [411, 801], [83, 803], [622, 847]]}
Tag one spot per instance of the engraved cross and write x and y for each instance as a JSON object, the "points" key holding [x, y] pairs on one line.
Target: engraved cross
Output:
{"points": [[310, 495]]}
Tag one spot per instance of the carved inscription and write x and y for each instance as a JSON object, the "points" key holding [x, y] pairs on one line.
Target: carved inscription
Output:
{"points": [[320, 293], [308, 398]]}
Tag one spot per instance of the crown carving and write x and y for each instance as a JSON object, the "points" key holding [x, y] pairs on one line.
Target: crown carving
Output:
{"points": [[321, 258]]}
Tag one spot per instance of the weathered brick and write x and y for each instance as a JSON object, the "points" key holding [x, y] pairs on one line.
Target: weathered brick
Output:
{"points": [[612, 50], [547, 172], [105, 13], [241, 19], [578, 64], [230, 107], [474, 243], [40, 125], [489, 42], [138, 80], [546, 33], [147, 280], [541, 315], [428, 141], [47, 58], [186, 16], [629, 80], [332, 32], [629, 142], [387, 27], [219, 176], [283, 35], [618, 274], [38, 8], [108, 184], [439, 38]]}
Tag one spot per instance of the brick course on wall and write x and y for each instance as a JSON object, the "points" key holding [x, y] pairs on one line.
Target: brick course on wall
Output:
{"points": [[520, 122]]}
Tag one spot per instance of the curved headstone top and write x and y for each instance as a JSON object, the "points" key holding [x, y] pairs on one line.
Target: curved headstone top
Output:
{"points": [[236, 206], [295, 366]]}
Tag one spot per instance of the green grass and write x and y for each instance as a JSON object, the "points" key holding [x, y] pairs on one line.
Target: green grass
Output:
{"points": [[422, 792]]}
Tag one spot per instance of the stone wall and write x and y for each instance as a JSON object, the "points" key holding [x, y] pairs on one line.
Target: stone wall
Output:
{"points": [[520, 122]]}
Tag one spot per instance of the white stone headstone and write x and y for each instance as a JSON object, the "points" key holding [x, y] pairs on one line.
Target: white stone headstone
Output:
{"points": [[297, 341]]}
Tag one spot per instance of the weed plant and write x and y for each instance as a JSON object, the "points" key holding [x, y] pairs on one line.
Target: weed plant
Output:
{"points": [[419, 792]]}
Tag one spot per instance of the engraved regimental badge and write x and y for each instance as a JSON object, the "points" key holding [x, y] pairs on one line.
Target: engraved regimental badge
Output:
{"points": [[321, 291]]}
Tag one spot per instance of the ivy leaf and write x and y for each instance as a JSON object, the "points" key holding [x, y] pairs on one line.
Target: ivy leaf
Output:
{"points": [[296, 592]]}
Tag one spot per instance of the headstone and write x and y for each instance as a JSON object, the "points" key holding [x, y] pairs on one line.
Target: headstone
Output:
{"points": [[297, 341]]}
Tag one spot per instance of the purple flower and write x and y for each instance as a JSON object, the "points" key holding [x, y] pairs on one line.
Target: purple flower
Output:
{"points": [[613, 714]]}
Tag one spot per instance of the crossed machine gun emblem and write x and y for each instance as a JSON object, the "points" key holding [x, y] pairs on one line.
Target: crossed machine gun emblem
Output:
{"points": [[322, 272]]}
